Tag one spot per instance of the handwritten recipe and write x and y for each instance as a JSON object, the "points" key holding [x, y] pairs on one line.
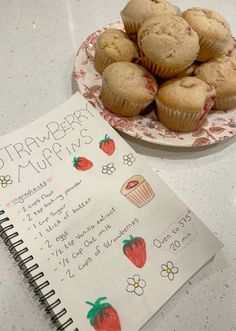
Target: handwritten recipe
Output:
{"points": [[109, 236]]}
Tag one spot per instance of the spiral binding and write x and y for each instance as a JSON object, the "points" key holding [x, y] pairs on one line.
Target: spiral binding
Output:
{"points": [[27, 272]]}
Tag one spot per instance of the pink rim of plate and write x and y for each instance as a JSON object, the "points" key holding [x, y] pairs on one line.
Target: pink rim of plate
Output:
{"points": [[219, 125]]}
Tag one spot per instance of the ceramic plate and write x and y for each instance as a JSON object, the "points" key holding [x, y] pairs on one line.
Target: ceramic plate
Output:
{"points": [[218, 127]]}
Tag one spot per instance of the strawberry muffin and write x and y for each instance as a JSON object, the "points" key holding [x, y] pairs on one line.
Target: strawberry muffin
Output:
{"points": [[127, 88], [188, 71], [113, 45], [168, 45], [221, 73], [184, 103], [229, 48], [213, 30], [137, 12], [137, 190]]}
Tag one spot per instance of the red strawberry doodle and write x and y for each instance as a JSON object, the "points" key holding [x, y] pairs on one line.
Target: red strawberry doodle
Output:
{"points": [[82, 164], [107, 145], [103, 317], [135, 249]]}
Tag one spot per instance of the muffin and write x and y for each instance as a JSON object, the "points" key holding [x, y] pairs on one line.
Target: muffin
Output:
{"points": [[230, 48], [113, 45], [168, 45], [188, 71], [137, 190], [137, 12], [183, 103], [221, 73], [127, 88], [213, 30]]}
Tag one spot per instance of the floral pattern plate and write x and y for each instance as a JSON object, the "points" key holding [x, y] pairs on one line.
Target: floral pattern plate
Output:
{"points": [[218, 127]]}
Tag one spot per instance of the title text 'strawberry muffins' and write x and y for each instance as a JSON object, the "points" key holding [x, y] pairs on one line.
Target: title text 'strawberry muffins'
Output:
{"points": [[213, 30], [137, 12], [138, 191], [113, 45], [183, 103], [167, 45], [221, 73], [127, 88]]}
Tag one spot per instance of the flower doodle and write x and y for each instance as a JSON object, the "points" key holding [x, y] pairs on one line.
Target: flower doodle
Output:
{"points": [[5, 180], [108, 169], [129, 159], [135, 285], [169, 270]]}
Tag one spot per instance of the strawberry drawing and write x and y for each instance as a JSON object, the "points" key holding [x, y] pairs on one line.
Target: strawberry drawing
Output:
{"points": [[103, 317], [107, 145], [81, 163], [135, 249]]}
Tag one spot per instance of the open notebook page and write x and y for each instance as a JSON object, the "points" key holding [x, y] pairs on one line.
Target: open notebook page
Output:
{"points": [[111, 238]]}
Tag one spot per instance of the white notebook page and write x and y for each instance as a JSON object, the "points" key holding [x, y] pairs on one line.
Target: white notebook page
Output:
{"points": [[102, 227]]}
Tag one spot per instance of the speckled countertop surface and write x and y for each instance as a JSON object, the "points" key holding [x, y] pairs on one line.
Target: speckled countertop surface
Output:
{"points": [[39, 40]]}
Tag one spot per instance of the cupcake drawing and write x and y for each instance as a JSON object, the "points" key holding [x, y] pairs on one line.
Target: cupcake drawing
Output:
{"points": [[138, 191]]}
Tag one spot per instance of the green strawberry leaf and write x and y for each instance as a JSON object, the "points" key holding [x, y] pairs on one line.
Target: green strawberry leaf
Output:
{"points": [[98, 301], [104, 305], [91, 313], [97, 308], [75, 161], [129, 241], [103, 141], [90, 303]]}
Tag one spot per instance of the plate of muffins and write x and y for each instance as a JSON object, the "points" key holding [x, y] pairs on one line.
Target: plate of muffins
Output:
{"points": [[161, 75]]}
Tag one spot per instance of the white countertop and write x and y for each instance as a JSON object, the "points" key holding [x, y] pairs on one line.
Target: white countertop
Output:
{"points": [[39, 40]]}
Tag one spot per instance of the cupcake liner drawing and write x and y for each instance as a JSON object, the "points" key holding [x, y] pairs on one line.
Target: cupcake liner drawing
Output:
{"points": [[138, 191]]}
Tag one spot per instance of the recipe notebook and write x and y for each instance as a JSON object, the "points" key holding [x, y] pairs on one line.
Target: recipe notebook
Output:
{"points": [[101, 238]]}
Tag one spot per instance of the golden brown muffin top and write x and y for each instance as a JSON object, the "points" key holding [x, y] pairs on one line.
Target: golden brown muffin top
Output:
{"points": [[141, 10], [221, 73], [169, 41], [130, 81], [208, 23], [117, 45], [187, 94]]}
